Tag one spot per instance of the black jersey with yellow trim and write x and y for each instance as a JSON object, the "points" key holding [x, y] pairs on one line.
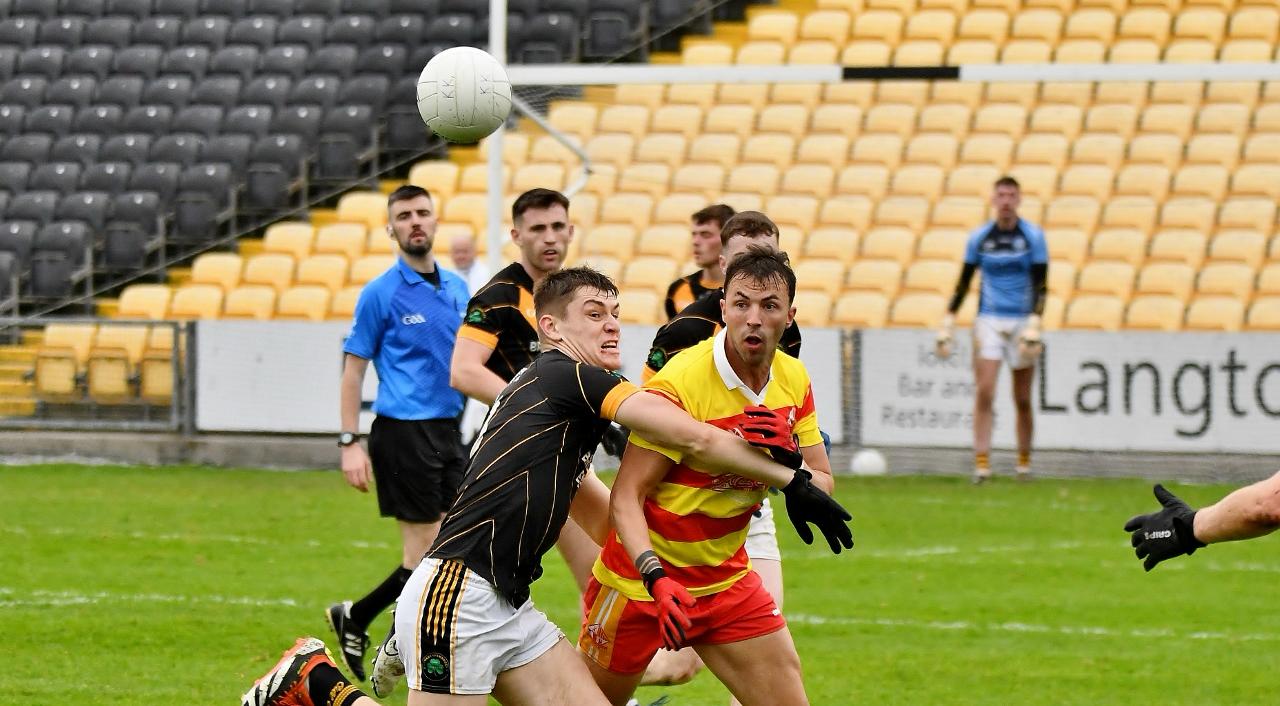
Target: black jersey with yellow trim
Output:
{"points": [[685, 291], [501, 317], [526, 466], [698, 322]]}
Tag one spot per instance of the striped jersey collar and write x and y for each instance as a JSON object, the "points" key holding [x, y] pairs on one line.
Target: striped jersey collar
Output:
{"points": [[729, 377]]}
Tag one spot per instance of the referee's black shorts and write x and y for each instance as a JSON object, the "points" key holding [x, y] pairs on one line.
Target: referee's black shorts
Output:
{"points": [[417, 467]]}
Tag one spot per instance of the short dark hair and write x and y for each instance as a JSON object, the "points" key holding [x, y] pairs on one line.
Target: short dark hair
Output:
{"points": [[405, 193], [553, 293], [537, 198], [752, 224], [763, 265], [719, 213], [1007, 180]]}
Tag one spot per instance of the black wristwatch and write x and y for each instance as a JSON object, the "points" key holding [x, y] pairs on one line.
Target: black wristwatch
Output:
{"points": [[347, 438]]}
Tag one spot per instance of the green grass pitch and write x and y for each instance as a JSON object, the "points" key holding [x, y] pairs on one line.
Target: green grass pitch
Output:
{"points": [[182, 585]]}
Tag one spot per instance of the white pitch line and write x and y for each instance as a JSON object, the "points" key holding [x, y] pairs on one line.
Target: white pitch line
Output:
{"points": [[179, 537], [1020, 627], [12, 598]]}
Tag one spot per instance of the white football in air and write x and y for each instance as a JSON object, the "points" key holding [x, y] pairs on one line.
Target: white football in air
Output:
{"points": [[463, 94], [868, 462]]}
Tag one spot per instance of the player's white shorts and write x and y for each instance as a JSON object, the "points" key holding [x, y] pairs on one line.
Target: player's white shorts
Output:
{"points": [[762, 535], [456, 634], [996, 338]]}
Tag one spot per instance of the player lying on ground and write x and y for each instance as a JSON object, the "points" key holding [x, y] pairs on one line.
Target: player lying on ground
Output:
{"points": [[1177, 529], [675, 570], [465, 626]]}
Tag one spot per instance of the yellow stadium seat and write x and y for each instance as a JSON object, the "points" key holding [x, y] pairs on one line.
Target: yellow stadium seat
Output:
{"points": [[1120, 244], [959, 211], [936, 276], [911, 212], [1215, 312], [972, 180], [217, 268], [1171, 118], [1269, 278], [813, 308], [653, 178], [832, 243], [368, 207], [707, 52], [678, 208], [532, 176], [1229, 278], [871, 180], [667, 239], [1147, 180], [1106, 277], [1091, 23], [1207, 180], [776, 25], [365, 268], [1263, 315], [438, 176], [614, 149], [883, 276], [1201, 23], [251, 301], [197, 301], [1261, 21], [1263, 147], [1174, 279], [144, 301], [474, 178], [944, 119], [1077, 93], [877, 148], [1188, 93], [640, 306], [346, 239], [649, 95], [789, 120], [1248, 212], [770, 148], [325, 270], [889, 243], [654, 273], [1232, 118], [805, 95], [1026, 51], [1219, 150], [861, 310], [1066, 245], [715, 148], [735, 119], [753, 177], [918, 180], [343, 304], [961, 52], [1094, 311], [1036, 180], [989, 149], [1098, 148], [1147, 23], [1238, 245], [896, 118], [1245, 50], [1056, 119], [790, 239], [631, 208], [821, 274], [1093, 180], [917, 310], [112, 363], [292, 238], [1178, 245], [272, 269], [937, 25], [913, 52], [1196, 212], [467, 209], [1112, 118], [1077, 51], [831, 25], [62, 357], [1127, 92], [1062, 279], [155, 371], [706, 178], [796, 210], [1257, 179], [573, 117], [75, 340], [943, 243], [629, 119], [307, 302], [1157, 148], [1080, 212], [1001, 118], [617, 240], [1135, 212], [857, 93], [1158, 312], [1037, 23], [743, 200], [815, 179], [844, 120], [878, 25], [515, 150], [990, 25], [847, 210], [933, 148]]}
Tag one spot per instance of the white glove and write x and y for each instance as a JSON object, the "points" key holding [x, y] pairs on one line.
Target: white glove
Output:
{"points": [[942, 344], [1029, 341]]}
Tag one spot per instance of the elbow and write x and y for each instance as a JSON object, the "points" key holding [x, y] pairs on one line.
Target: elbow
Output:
{"points": [[698, 443]]}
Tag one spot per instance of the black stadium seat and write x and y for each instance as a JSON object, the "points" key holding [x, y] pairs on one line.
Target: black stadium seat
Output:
{"points": [[238, 59], [62, 177], [279, 8], [351, 29], [158, 177], [221, 90], [8, 62], [252, 120], [258, 31], [51, 119], [63, 31], [95, 60], [70, 238], [124, 91], [147, 119], [306, 29], [141, 208], [35, 206], [26, 91], [78, 147], [113, 31], [34, 8], [76, 91], [207, 31], [19, 32], [183, 149], [274, 165], [137, 9], [107, 177], [192, 61], [14, 176], [405, 30], [365, 89], [173, 90], [285, 59], [18, 237], [184, 9], [26, 148], [332, 59], [139, 60], [300, 120], [11, 119], [162, 31], [270, 90], [317, 7], [84, 8], [130, 147], [45, 61], [386, 59], [347, 136], [102, 120], [89, 207], [318, 90], [231, 149], [549, 39]]}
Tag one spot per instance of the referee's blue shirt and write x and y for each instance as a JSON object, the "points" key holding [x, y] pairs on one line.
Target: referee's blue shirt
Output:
{"points": [[407, 327], [1005, 259]]}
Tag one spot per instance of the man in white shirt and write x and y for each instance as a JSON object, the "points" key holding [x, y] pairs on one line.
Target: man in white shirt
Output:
{"points": [[462, 250]]}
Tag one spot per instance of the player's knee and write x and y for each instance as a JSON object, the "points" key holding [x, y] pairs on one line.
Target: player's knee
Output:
{"points": [[1022, 404], [672, 668]]}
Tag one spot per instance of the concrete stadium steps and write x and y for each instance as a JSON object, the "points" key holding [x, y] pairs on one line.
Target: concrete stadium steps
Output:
{"points": [[17, 364]]}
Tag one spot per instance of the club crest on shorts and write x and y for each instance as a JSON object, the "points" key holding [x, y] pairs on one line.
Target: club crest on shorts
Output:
{"points": [[435, 667], [596, 633]]}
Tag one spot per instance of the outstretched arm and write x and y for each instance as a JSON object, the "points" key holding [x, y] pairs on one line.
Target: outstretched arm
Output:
{"points": [[1246, 513]]}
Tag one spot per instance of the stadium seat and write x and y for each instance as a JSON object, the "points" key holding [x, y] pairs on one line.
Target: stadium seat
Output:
{"points": [[306, 302], [1078, 212], [813, 308], [849, 211], [1238, 245], [1208, 180], [883, 276], [820, 274], [616, 240], [882, 149], [918, 310], [936, 276], [343, 305], [1252, 213], [895, 243], [221, 269], [1159, 312], [1106, 277], [144, 301], [61, 358], [1127, 245], [271, 269], [1062, 279], [368, 267], [946, 243], [366, 207], [196, 301], [662, 239], [832, 243], [346, 239], [1263, 314], [1144, 180], [639, 306], [861, 310], [994, 150], [1094, 311], [1228, 278], [1178, 245], [1257, 179], [1168, 278], [1269, 279], [290, 238], [1098, 148], [1136, 212], [705, 178], [326, 270], [253, 301], [650, 272], [837, 118], [1214, 312], [113, 361]]}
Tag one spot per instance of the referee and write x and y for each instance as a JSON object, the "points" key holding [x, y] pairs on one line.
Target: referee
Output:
{"points": [[406, 321]]}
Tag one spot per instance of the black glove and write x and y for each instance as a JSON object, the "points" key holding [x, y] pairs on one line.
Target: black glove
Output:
{"points": [[614, 441], [1165, 534], [806, 503], [766, 429]]}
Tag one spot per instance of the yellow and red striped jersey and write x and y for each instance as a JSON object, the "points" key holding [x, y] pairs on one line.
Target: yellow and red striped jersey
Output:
{"points": [[698, 519]]}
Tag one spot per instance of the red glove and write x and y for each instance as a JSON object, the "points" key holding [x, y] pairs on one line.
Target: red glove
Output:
{"points": [[771, 431], [671, 599]]}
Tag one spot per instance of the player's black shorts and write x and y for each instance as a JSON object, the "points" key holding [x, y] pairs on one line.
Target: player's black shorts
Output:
{"points": [[417, 467]]}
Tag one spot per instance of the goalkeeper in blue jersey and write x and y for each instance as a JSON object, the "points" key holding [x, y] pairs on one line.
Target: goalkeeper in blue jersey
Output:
{"points": [[1014, 261]]}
